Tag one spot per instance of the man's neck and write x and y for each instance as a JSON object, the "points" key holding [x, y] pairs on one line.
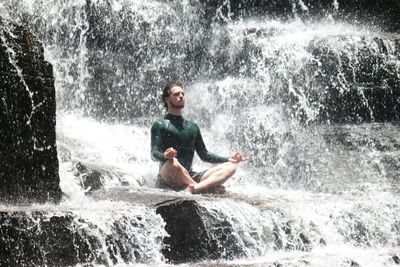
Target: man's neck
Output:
{"points": [[175, 112]]}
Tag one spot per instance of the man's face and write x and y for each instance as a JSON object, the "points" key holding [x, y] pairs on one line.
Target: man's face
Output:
{"points": [[176, 99]]}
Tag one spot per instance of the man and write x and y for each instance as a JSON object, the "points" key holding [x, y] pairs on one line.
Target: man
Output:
{"points": [[174, 141]]}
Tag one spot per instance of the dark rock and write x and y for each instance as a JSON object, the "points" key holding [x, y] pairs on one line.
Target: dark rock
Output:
{"points": [[378, 13], [195, 234], [90, 179], [377, 136], [395, 259], [122, 244], [382, 13], [62, 238], [369, 90], [126, 41], [293, 239], [28, 155], [93, 177], [39, 239], [353, 263], [357, 82]]}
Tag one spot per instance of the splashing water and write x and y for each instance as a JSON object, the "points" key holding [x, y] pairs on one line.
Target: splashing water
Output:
{"points": [[317, 191]]}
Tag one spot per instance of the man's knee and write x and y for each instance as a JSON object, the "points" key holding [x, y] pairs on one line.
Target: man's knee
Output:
{"points": [[172, 167], [230, 167], [175, 165]]}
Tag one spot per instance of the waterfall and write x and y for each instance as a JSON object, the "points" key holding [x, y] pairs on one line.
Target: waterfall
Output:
{"points": [[312, 102]]}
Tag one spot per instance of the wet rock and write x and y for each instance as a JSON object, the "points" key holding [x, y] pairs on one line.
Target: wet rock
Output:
{"points": [[195, 234], [90, 179], [383, 13], [35, 239], [110, 44], [381, 137], [122, 245], [62, 238], [395, 259], [93, 177], [352, 263], [360, 84], [28, 156], [290, 234]]}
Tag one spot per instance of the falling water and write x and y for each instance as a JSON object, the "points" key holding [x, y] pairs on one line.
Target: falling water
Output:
{"points": [[320, 188]]}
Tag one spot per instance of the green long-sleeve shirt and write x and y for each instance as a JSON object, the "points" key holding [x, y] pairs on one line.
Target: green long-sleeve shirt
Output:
{"points": [[184, 136]]}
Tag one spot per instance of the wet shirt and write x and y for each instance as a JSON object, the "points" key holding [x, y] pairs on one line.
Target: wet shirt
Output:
{"points": [[184, 136]]}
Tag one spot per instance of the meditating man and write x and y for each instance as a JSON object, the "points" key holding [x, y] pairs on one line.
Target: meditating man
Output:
{"points": [[174, 141]]}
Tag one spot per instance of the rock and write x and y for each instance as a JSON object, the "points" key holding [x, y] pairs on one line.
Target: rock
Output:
{"points": [[93, 177], [395, 259], [289, 236], [90, 179], [383, 13], [360, 86], [195, 234], [184, 228], [64, 238], [28, 155], [33, 239], [352, 263], [111, 46]]}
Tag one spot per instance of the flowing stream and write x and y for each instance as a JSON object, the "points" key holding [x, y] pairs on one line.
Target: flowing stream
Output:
{"points": [[321, 186]]}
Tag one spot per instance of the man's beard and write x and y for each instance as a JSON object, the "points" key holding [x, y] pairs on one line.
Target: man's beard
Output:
{"points": [[178, 106]]}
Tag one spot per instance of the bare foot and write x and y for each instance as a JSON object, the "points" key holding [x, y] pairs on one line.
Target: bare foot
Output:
{"points": [[192, 189]]}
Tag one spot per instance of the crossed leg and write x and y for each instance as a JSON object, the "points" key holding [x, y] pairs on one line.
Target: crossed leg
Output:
{"points": [[174, 174], [213, 178]]}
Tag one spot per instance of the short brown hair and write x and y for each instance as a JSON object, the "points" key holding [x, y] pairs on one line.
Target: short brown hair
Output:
{"points": [[167, 91]]}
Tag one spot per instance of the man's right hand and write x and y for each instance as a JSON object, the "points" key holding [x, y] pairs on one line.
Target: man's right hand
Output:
{"points": [[170, 153]]}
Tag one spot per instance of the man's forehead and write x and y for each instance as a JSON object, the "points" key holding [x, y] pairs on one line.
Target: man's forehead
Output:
{"points": [[176, 89]]}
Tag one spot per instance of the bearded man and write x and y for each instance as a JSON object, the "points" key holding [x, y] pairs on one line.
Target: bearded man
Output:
{"points": [[173, 143]]}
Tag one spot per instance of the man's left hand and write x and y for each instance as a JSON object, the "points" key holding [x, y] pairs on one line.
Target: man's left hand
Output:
{"points": [[236, 158]]}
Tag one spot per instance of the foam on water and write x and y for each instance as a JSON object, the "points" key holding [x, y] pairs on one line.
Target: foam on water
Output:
{"points": [[120, 149], [303, 199]]}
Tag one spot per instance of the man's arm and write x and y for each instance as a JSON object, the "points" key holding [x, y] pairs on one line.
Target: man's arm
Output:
{"points": [[157, 153], [203, 152]]}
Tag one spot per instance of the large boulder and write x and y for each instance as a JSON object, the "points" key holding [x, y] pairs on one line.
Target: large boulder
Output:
{"points": [[28, 155], [143, 226], [362, 86], [45, 240], [65, 238], [195, 234]]}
